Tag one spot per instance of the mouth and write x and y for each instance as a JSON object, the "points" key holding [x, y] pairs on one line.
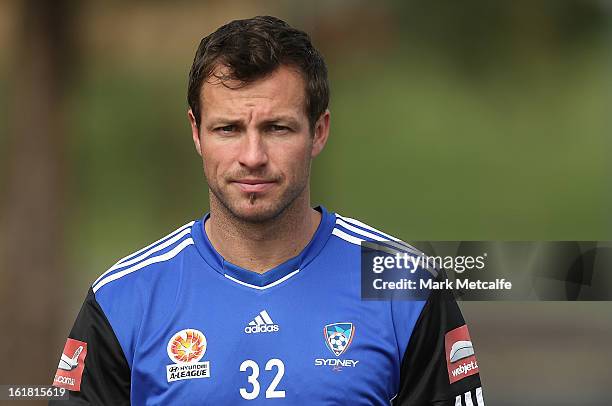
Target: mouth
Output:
{"points": [[254, 185]]}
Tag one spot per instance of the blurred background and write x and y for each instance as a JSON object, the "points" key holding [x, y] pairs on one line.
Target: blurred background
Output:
{"points": [[450, 121]]}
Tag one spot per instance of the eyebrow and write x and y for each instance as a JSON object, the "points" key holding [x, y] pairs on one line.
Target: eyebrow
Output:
{"points": [[292, 121], [215, 121]]}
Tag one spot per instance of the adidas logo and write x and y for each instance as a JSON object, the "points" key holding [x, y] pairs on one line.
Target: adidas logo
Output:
{"points": [[262, 323]]}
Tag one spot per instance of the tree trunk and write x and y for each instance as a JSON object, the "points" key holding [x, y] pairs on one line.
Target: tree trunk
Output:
{"points": [[33, 206]]}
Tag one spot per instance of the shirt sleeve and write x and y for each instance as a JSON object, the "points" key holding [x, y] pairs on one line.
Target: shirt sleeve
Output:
{"points": [[439, 366], [92, 365]]}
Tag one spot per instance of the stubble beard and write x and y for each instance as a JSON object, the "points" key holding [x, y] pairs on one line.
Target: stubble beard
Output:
{"points": [[272, 210]]}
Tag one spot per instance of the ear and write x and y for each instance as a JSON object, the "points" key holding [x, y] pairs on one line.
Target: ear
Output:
{"points": [[321, 133], [195, 132]]}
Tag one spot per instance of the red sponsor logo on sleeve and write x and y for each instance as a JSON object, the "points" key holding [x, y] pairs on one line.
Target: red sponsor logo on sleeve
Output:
{"points": [[71, 365], [460, 357]]}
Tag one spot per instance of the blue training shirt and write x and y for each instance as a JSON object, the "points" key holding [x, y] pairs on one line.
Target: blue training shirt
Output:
{"points": [[174, 323]]}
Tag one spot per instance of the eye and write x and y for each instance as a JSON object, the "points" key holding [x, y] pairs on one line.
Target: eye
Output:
{"points": [[226, 129], [278, 128]]}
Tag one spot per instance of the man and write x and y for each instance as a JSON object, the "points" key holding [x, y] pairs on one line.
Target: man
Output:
{"points": [[259, 301]]}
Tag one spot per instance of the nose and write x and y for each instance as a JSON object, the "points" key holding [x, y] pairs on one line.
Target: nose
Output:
{"points": [[253, 153]]}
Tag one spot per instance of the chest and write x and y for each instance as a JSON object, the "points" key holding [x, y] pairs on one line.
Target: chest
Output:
{"points": [[295, 346]]}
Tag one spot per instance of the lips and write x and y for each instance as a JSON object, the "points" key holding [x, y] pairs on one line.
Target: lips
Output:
{"points": [[254, 185]]}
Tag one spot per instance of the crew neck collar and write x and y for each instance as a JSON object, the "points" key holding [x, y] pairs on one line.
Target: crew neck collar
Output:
{"points": [[273, 276]]}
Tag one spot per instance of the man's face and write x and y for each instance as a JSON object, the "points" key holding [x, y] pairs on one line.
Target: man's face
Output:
{"points": [[256, 144]]}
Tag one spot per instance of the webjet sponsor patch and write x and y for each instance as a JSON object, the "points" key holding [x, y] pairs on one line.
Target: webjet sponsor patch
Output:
{"points": [[71, 365], [460, 357]]}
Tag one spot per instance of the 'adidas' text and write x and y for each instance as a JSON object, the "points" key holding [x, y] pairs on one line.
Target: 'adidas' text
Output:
{"points": [[261, 324]]}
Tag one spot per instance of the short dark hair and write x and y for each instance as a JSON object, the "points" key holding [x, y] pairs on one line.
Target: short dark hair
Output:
{"points": [[254, 48]]}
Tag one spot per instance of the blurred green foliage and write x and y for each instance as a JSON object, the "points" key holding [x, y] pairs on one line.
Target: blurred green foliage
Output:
{"points": [[476, 120], [520, 153], [415, 149], [451, 120]]}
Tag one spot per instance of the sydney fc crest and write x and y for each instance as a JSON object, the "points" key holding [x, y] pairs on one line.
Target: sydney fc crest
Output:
{"points": [[338, 337]]}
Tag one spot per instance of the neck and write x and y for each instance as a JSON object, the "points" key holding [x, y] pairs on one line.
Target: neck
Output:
{"points": [[260, 247]]}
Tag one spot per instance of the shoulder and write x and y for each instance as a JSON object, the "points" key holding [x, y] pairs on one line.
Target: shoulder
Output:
{"points": [[125, 291], [358, 233], [162, 251], [358, 239]]}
